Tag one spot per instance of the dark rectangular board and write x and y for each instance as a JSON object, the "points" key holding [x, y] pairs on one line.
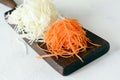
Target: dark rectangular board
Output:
{"points": [[67, 66]]}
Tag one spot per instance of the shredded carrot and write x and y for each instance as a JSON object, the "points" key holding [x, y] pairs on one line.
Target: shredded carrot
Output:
{"points": [[66, 38]]}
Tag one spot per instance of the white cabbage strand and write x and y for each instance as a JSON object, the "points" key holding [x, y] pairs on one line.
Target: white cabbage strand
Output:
{"points": [[33, 17]]}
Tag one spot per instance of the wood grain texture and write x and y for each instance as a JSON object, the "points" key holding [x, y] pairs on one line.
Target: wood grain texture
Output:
{"points": [[9, 3]]}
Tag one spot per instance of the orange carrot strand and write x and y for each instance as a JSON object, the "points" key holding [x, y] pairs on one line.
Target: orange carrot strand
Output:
{"points": [[66, 38]]}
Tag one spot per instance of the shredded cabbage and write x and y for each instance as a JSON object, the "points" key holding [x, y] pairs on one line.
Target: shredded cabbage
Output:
{"points": [[33, 17]]}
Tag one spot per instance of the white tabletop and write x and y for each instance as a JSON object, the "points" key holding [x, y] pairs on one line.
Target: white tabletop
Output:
{"points": [[101, 17]]}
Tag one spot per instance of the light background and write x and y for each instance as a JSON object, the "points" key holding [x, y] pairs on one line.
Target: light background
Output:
{"points": [[101, 17]]}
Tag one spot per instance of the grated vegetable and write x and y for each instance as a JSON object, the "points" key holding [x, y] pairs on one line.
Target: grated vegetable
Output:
{"points": [[66, 38], [33, 17]]}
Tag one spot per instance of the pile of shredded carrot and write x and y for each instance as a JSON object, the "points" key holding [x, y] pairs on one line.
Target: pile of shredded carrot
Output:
{"points": [[66, 38]]}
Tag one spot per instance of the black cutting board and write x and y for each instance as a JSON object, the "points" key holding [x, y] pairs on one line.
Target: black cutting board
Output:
{"points": [[67, 66]]}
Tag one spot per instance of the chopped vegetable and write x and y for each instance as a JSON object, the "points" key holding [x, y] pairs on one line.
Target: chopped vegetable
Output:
{"points": [[66, 38], [33, 17]]}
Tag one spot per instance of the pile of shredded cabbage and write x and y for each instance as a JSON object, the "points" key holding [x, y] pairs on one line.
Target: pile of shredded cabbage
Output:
{"points": [[32, 18]]}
